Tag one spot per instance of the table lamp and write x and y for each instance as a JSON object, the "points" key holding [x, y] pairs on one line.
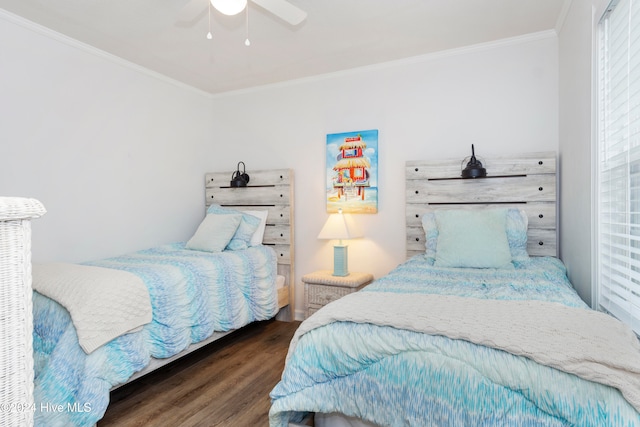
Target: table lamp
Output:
{"points": [[340, 227]]}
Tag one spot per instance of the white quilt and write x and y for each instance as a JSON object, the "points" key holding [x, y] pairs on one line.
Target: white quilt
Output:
{"points": [[104, 303], [583, 342]]}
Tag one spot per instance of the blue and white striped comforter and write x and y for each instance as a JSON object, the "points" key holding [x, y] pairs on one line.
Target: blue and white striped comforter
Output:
{"points": [[192, 295], [396, 377]]}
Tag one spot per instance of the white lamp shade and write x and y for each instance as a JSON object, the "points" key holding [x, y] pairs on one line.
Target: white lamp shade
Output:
{"points": [[340, 226], [229, 7]]}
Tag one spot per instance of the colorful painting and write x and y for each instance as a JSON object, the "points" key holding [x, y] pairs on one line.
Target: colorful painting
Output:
{"points": [[352, 172]]}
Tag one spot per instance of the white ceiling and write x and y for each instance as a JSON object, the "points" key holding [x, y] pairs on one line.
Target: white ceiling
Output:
{"points": [[337, 34]]}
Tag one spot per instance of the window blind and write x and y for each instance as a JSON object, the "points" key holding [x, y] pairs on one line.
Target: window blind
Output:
{"points": [[618, 179]]}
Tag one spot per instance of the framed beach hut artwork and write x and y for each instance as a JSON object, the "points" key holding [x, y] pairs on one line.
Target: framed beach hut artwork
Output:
{"points": [[352, 172]]}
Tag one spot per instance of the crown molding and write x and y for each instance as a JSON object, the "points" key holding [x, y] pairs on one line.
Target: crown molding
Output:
{"points": [[419, 59], [84, 47], [91, 50]]}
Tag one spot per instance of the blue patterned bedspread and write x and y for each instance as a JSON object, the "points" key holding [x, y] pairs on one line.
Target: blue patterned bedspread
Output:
{"points": [[192, 295], [394, 377]]}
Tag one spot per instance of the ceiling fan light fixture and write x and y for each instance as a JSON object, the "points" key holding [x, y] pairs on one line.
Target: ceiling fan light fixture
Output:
{"points": [[229, 7]]}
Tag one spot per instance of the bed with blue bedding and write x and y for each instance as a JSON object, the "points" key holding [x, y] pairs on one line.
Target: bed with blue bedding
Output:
{"points": [[100, 324], [367, 356], [479, 327], [192, 294]]}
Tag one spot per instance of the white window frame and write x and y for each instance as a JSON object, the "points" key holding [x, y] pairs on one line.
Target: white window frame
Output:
{"points": [[609, 295]]}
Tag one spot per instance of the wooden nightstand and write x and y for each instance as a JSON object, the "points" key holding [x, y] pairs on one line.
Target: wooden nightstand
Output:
{"points": [[321, 287]]}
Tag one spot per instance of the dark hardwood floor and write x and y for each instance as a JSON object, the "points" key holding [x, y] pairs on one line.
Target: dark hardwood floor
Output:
{"points": [[226, 383]]}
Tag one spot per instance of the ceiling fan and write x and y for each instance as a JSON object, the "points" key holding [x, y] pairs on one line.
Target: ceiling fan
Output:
{"points": [[280, 8]]}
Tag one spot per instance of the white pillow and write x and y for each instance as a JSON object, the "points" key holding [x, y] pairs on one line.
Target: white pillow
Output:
{"points": [[214, 233], [258, 235]]}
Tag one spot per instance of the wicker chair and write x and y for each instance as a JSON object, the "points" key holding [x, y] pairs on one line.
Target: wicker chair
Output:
{"points": [[16, 318]]}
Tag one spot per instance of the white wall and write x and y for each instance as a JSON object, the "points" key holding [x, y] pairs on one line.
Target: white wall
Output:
{"points": [[502, 97], [576, 40], [116, 155]]}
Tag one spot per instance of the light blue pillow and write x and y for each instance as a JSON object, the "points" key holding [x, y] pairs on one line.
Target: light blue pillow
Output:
{"points": [[472, 239], [516, 228], [214, 233], [248, 225]]}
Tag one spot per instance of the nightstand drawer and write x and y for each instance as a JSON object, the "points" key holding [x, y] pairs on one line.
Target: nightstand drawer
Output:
{"points": [[323, 294]]}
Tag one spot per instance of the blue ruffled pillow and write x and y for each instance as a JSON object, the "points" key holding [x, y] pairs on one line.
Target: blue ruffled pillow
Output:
{"points": [[248, 225], [430, 228], [516, 228], [517, 225]]}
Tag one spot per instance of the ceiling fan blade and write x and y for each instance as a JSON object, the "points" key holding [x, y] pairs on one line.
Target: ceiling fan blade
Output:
{"points": [[284, 10], [192, 10]]}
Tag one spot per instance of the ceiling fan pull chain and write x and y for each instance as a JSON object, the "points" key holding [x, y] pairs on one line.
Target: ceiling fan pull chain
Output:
{"points": [[209, 35], [247, 42]]}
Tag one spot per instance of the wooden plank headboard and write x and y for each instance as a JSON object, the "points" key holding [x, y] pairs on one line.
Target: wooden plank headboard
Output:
{"points": [[270, 190], [526, 181]]}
